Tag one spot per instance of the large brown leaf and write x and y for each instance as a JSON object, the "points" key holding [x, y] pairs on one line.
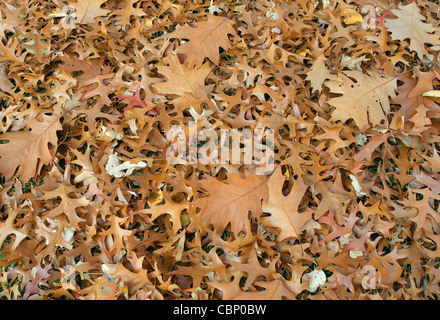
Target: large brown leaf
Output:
{"points": [[284, 209], [231, 202], [187, 83], [409, 25], [29, 151], [365, 97], [205, 38], [88, 10]]}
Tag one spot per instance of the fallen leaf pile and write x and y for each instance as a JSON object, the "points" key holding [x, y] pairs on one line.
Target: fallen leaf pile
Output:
{"points": [[91, 208]]}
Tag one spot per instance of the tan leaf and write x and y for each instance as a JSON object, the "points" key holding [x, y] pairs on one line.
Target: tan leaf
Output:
{"points": [[7, 227], [365, 98], [205, 38], [409, 25], [88, 10], [367, 151], [318, 73], [67, 206], [284, 209], [29, 151], [231, 203], [184, 81]]}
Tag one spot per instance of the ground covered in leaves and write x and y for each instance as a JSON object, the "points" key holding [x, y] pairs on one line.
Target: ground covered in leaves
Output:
{"points": [[90, 208]]}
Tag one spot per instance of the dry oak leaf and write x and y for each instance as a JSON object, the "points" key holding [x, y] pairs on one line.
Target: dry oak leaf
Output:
{"points": [[184, 81], [428, 181], [284, 209], [67, 206], [5, 84], [134, 280], [125, 14], [409, 25], [174, 209], [94, 80], [88, 10], [364, 97], [104, 288], [367, 151], [424, 208], [253, 268], [421, 120], [29, 151], [56, 232], [318, 74], [229, 289], [7, 228], [33, 287], [274, 290], [231, 203], [279, 288], [279, 57], [205, 39], [117, 233], [337, 229], [9, 54], [201, 267], [432, 162]]}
